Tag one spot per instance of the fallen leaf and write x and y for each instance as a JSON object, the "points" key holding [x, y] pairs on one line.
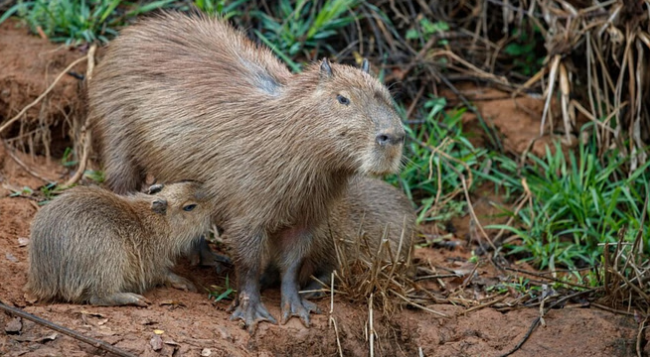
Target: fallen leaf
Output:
{"points": [[94, 314], [147, 321], [156, 343], [158, 332], [172, 303], [22, 242], [14, 326], [206, 352], [38, 339], [171, 343]]}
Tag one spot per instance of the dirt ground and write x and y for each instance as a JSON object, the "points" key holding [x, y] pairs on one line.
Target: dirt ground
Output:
{"points": [[190, 324]]}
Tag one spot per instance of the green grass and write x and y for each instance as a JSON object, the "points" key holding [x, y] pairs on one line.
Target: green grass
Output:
{"points": [[298, 27], [78, 21], [438, 157], [578, 203]]}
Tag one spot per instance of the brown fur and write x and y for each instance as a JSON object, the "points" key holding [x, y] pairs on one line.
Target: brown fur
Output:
{"points": [[369, 211], [190, 97], [91, 245]]}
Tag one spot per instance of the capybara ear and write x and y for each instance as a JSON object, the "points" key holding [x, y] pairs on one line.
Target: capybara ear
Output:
{"points": [[325, 69], [153, 189], [159, 206], [365, 66]]}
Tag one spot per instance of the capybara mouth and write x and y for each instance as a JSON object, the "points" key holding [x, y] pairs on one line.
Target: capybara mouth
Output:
{"points": [[384, 162]]}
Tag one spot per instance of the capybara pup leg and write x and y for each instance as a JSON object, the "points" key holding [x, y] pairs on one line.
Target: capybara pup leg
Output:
{"points": [[120, 299], [178, 282], [202, 254]]}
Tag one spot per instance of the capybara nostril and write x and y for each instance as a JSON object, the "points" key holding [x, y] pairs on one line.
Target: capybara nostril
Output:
{"points": [[386, 138]]}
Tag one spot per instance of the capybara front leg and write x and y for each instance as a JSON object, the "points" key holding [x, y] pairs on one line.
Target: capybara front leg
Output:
{"points": [[248, 306]]}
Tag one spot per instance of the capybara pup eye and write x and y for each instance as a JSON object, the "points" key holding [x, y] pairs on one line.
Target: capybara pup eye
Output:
{"points": [[343, 100], [189, 207]]}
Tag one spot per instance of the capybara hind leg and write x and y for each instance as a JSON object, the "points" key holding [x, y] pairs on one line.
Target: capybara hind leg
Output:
{"points": [[120, 299], [178, 282]]}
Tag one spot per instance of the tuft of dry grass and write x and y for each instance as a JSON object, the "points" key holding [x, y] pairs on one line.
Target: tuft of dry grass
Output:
{"points": [[377, 278]]}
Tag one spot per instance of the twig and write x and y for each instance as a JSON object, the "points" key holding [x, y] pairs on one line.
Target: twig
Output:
{"points": [[48, 90], [22, 164], [538, 319], [85, 134], [89, 340]]}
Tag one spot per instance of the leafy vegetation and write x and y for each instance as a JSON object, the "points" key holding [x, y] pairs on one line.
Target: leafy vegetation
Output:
{"points": [[74, 22]]}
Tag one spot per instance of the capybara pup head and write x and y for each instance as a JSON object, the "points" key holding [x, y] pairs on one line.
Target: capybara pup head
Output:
{"points": [[181, 203]]}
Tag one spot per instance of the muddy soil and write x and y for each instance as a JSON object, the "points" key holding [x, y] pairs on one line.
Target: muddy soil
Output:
{"points": [[190, 324]]}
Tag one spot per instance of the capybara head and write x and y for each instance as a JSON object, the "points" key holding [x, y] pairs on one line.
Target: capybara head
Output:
{"points": [[363, 116], [185, 203]]}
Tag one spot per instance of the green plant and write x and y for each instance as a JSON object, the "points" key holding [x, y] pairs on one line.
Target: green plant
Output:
{"points": [[523, 50], [77, 21], [224, 8], [96, 175], [577, 203], [428, 29], [302, 26], [439, 157], [226, 294]]}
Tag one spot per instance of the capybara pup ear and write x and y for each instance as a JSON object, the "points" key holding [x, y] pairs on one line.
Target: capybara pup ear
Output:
{"points": [[153, 189]]}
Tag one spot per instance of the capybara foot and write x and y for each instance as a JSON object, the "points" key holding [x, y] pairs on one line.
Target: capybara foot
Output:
{"points": [[204, 255], [120, 299], [294, 305], [251, 311], [180, 283]]}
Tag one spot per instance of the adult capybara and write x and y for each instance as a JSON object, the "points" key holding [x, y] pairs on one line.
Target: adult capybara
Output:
{"points": [[180, 96], [370, 212], [90, 245]]}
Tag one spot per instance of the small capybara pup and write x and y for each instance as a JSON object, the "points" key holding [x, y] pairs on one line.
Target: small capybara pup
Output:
{"points": [[179, 96], [369, 212], [90, 245]]}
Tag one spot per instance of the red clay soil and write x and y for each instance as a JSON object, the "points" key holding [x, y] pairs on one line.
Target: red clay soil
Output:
{"points": [[192, 325]]}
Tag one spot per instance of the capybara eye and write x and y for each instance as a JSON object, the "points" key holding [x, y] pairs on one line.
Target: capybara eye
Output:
{"points": [[343, 100], [189, 207]]}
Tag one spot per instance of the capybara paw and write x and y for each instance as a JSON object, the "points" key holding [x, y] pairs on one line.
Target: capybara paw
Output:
{"points": [[251, 313], [180, 283], [297, 306], [120, 299]]}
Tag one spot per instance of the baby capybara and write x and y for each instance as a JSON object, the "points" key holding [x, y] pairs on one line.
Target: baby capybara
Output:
{"points": [[180, 96], [369, 212], [90, 245]]}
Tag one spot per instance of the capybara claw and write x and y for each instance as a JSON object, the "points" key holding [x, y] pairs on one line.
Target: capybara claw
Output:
{"points": [[252, 314], [300, 308]]}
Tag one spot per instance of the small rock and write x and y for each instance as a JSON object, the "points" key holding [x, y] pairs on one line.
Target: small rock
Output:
{"points": [[14, 326], [206, 352], [23, 242], [156, 343], [10, 257]]}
